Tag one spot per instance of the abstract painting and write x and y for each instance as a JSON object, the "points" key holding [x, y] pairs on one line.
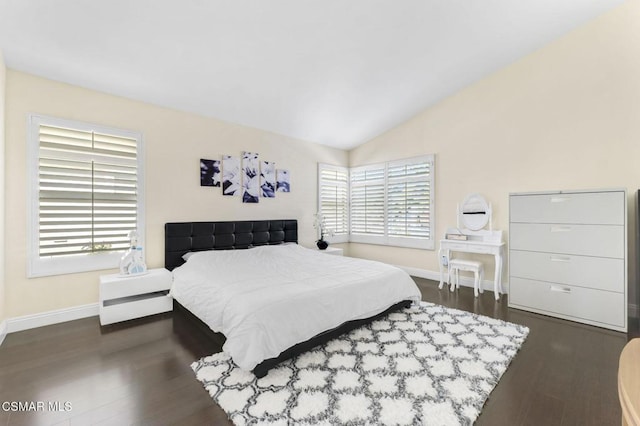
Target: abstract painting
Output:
{"points": [[268, 179], [250, 178], [209, 172], [230, 175], [283, 181]]}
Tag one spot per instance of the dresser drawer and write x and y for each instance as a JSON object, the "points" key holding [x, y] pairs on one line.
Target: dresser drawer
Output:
{"points": [[467, 247], [585, 240], [600, 273], [606, 208], [601, 307]]}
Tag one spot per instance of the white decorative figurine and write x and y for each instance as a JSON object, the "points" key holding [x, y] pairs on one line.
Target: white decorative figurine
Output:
{"points": [[137, 265], [132, 261]]}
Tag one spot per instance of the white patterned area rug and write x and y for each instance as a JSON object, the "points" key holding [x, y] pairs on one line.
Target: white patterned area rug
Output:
{"points": [[422, 365]]}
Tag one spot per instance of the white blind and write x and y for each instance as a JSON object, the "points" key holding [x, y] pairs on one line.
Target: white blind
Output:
{"points": [[409, 199], [334, 197], [368, 200], [391, 203], [87, 187]]}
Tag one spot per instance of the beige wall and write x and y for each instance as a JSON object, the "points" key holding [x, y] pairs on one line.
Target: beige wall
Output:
{"points": [[3, 72], [564, 117], [174, 142]]}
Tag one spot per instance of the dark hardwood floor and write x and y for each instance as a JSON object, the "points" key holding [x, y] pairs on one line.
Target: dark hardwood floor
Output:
{"points": [[138, 372]]}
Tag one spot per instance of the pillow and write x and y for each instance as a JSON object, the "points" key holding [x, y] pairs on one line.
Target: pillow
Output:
{"points": [[187, 255]]}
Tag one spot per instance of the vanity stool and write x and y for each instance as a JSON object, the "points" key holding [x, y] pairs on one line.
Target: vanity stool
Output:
{"points": [[457, 265]]}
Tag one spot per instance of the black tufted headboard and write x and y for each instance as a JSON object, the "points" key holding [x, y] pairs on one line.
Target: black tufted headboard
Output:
{"points": [[183, 237]]}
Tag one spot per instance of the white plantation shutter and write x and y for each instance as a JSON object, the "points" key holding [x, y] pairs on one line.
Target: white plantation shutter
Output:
{"points": [[88, 186], [334, 199], [409, 198], [367, 200], [391, 203]]}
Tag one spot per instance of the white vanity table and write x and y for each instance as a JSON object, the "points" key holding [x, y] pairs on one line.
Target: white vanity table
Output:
{"points": [[470, 237]]}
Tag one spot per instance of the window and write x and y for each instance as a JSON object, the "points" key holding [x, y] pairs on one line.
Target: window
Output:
{"points": [[333, 199], [409, 199], [391, 203], [388, 203], [367, 200], [86, 195]]}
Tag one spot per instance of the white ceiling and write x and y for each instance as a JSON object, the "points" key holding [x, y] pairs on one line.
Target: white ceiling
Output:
{"points": [[336, 72]]}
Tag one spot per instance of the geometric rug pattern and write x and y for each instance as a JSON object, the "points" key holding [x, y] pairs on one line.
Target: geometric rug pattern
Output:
{"points": [[426, 364]]}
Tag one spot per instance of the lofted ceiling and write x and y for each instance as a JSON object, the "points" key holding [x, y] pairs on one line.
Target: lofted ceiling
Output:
{"points": [[335, 72]]}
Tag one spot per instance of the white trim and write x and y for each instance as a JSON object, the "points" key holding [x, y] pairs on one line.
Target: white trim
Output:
{"points": [[383, 240], [420, 273], [51, 317], [44, 267], [3, 331], [435, 276], [337, 239]]}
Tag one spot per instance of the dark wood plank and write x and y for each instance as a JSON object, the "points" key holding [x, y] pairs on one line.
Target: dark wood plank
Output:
{"points": [[139, 372]]}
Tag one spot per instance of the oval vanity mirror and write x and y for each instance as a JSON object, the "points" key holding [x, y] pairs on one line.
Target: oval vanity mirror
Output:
{"points": [[475, 212]]}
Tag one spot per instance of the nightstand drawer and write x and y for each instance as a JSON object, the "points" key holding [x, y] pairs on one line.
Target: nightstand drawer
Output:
{"points": [[131, 309]]}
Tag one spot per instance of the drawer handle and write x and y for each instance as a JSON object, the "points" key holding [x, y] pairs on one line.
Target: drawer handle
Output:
{"points": [[565, 290], [559, 199], [560, 259], [560, 228]]}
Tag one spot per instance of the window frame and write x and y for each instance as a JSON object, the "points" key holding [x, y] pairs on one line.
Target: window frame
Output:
{"points": [[48, 266], [385, 239], [399, 241], [340, 238]]}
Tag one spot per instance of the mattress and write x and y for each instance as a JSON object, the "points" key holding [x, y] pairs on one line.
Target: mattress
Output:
{"points": [[269, 298]]}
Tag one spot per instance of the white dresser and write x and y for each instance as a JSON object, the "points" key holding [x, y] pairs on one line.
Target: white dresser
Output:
{"points": [[568, 255]]}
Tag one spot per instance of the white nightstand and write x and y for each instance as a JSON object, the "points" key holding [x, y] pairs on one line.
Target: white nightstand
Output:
{"points": [[333, 250], [134, 296]]}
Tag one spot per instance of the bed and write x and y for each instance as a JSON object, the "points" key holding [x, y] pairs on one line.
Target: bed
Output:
{"points": [[271, 298]]}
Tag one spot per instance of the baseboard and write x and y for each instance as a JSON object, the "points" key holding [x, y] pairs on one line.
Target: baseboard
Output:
{"points": [[420, 273], [3, 331], [634, 312], [435, 276], [51, 317]]}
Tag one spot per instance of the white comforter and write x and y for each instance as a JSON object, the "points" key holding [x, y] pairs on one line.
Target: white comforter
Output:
{"points": [[267, 299]]}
